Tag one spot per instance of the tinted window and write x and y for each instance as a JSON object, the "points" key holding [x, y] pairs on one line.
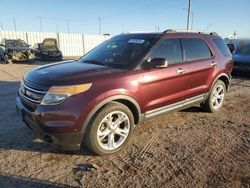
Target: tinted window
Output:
{"points": [[195, 49], [221, 45], [170, 49]]}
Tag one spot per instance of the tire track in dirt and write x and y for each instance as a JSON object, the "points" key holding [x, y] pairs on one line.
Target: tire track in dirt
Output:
{"points": [[9, 74]]}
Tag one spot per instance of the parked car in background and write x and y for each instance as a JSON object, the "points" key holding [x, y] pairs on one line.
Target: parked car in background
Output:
{"points": [[241, 60], [47, 50], [98, 99], [15, 50]]}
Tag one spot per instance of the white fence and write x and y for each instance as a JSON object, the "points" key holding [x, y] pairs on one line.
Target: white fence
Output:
{"points": [[69, 44]]}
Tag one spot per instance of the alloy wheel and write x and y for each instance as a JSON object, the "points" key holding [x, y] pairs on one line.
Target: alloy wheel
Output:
{"points": [[113, 130]]}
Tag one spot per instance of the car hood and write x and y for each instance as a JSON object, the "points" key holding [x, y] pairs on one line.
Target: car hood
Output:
{"points": [[68, 73], [241, 58], [49, 44]]}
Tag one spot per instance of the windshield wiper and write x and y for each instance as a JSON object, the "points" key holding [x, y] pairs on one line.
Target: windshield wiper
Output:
{"points": [[92, 61]]}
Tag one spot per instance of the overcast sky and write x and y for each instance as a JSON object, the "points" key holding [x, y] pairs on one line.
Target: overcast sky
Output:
{"points": [[222, 16]]}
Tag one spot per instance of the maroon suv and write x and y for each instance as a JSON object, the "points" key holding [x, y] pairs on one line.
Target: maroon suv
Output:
{"points": [[98, 99]]}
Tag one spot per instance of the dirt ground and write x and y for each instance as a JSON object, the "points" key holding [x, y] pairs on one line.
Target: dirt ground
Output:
{"points": [[190, 148]]}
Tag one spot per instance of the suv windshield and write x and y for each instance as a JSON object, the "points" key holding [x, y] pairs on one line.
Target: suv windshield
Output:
{"points": [[15, 43], [121, 51]]}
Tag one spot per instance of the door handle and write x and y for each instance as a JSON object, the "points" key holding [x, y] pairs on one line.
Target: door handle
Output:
{"points": [[213, 64], [180, 71]]}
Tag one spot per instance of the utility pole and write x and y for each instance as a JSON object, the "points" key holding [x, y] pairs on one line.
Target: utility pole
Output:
{"points": [[68, 25], [1, 26], [41, 25], [189, 10], [57, 28], [192, 17], [234, 34], [14, 22], [99, 25]]}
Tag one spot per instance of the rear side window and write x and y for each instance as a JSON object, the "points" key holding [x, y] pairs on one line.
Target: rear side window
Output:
{"points": [[195, 49], [221, 45], [170, 49]]}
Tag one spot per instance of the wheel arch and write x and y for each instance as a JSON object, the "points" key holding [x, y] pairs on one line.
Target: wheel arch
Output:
{"points": [[223, 77], [126, 100]]}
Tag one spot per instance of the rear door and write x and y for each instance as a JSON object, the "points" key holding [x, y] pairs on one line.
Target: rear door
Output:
{"points": [[164, 86], [200, 65]]}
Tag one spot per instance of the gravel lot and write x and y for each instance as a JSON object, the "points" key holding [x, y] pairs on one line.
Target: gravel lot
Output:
{"points": [[190, 148]]}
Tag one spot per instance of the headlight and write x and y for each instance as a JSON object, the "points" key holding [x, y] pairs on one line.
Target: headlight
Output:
{"points": [[58, 94]]}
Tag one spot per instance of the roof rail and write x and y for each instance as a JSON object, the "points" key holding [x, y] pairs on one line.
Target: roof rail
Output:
{"points": [[189, 31]]}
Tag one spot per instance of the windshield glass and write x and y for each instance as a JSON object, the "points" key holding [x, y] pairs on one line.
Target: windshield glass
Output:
{"points": [[15, 43], [121, 51], [49, 43]]}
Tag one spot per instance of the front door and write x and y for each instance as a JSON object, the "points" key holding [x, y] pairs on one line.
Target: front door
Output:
{"points": [[165, 86]]}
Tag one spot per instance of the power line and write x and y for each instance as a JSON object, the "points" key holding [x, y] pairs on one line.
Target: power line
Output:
{"points": [[139, 15], [209, 25]]}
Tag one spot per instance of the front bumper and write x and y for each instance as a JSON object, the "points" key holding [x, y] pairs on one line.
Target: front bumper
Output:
{"points": [[51, 57], [19, 56], [65, 141]]}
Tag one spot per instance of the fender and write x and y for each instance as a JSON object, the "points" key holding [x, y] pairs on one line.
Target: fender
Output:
{"points": [[221, 74], [105, 101]]}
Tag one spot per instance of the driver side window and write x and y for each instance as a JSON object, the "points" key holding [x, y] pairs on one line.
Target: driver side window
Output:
{"points": [[170, 49]]}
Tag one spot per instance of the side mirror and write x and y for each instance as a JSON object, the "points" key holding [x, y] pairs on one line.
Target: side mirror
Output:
{"points": [[155, 63]]}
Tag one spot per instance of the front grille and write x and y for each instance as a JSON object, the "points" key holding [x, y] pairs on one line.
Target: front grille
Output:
{"points": [[53, 53], [31, 94]]}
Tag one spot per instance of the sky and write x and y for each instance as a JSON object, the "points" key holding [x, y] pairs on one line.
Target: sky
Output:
{"points": [[116, 16]]}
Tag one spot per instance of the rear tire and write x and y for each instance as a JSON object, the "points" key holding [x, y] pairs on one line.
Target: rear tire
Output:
{"points": [[216, 97], [110, 129]]}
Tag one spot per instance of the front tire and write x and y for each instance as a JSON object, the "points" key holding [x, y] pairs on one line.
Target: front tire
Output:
{"points": [[216, 97], [110, 129]]}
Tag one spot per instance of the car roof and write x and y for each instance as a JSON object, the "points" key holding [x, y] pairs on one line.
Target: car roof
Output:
{"points": [[178, 33]]}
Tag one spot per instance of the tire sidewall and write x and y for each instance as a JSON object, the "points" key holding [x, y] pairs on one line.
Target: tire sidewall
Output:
{"points": [[91, 135], [217, 83]]}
